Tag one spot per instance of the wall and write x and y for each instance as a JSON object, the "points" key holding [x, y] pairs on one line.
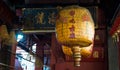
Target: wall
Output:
{"points": [[84, 66]]}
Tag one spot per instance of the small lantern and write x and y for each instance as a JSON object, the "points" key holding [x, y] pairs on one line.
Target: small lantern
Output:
{"points": [[12, 39], [75, 28], [3, 32]]}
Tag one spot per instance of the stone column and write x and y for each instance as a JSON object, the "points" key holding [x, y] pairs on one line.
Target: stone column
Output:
{"points": [[113, 54]]}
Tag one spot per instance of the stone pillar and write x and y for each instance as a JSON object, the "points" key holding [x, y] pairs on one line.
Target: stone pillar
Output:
{"points": [[113, 54]]}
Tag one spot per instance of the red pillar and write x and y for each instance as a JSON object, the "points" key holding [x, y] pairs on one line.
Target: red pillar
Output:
{"points": [[12, 60]]}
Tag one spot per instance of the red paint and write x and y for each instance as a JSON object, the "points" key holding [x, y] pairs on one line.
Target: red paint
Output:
{"points": [[115, 26], [72, 21], [72, 13], [86, 18], [72, 29], [63, 19], [83, 66]]}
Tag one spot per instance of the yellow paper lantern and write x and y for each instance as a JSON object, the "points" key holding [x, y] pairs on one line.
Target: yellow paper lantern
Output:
{"points": [[11, 40], [3, 32], [74, 26]]}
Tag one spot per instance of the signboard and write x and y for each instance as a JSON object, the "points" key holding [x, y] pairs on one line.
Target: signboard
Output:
{"points": [[39, 18]]}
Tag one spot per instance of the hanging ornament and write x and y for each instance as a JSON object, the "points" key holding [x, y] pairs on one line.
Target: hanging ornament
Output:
{"points": [[12, 39], [3, 32], [75, 28]]}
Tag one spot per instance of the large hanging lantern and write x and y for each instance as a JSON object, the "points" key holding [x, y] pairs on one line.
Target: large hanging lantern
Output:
{"points": [[75, 28]]}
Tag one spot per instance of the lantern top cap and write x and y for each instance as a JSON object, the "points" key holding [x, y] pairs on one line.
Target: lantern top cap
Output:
{"points": [[74, 7]]}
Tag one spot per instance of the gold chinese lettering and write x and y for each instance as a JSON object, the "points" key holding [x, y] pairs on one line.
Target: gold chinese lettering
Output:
{"points": [[97, 37], [40, 18], [96, 54], [51, 18]]}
